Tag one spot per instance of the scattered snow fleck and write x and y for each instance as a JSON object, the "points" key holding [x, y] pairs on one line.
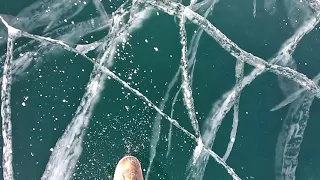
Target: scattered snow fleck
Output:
{"points": [[156, 49]]}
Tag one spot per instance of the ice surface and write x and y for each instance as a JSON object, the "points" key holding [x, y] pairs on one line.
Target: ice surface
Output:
{"points": [[5, 104], [59, 32]]}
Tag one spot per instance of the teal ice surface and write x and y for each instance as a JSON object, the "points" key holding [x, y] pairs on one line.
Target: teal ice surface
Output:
{"points": [[70, 120]]}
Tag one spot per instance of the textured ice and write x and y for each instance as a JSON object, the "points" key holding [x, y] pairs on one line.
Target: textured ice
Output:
{"points": [[69, 145], [186, 87], [60, 35], [254, 13], [239, 79]]}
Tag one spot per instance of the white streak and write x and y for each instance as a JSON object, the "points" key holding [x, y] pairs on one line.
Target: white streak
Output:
{"points": [[297, 12], [289, 99], [288, 47], [126, 85], [65, 10], [192, 60], [157, 128], [171, 115], [173, 8], [186, 87], [169, 140], [70, 34], [47, 12], [203, 6], [85, 48], [5, 104], [192, 2], [291, 136], [189, 105], [314, 4], [254, 8], [101, 9], [220, 161], [239, 79], [20, 65], [69, 147], [198, 166]]}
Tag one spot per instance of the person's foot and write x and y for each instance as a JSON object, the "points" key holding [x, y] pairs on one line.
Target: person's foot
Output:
{"points": [[128, 168]]}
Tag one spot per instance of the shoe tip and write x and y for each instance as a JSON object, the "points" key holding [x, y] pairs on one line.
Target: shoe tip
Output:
{"points": [[128, 168]]}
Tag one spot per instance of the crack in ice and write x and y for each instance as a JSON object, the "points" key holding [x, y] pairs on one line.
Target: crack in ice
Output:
{"points": [[186, 87], [69, 147], [134, 91], [5, 104], [174, 8], [239, 79]]}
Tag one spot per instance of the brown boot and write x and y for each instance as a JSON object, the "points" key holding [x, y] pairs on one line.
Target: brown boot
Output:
{"points": [[128, 168]]}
